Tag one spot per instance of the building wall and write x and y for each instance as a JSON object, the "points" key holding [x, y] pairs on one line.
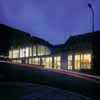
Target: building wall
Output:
{"points": [[29, 52], [80, 60], [37, 55], [65, 60]]}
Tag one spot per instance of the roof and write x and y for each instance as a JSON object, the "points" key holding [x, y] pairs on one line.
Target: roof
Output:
{"points": [[79, 42], [17, 38]]}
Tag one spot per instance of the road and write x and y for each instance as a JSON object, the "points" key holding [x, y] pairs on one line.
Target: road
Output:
{"points": [[19, 73]]}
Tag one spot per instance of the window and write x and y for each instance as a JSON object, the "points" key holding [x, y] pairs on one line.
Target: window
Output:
{"points": [[30, 61], [83, 61], [43, 50], [47, 51], [15, 53], [10, 53], [22, 52], [39, 50], [18, 61], [86, 61], [36, 61], [47, 62], [69, 62], [14, 61], [27, 52], [77, 62], [57, 62], [34, 50]]}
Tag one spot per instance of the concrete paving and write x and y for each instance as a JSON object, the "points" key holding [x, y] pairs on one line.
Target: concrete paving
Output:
{"points": [[35, 75], [28, 91]]}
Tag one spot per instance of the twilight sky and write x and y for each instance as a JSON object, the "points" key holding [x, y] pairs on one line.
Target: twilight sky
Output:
{"points": [[52, 20]]}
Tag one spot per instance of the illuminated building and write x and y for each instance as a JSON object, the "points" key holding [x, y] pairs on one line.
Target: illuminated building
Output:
{"points": [[78, 53]]}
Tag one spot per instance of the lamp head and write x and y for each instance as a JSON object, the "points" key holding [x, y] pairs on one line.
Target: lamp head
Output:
{"points": [[89, 5]]}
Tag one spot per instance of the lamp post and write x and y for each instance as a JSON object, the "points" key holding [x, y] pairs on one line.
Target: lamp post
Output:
{"points": [[92, 10]]}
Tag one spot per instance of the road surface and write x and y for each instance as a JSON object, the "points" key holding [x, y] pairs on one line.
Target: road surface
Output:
{"points": [[19, 73]]}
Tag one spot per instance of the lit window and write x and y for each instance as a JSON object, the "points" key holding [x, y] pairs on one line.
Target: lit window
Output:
{"points": [[27, 52], [22, 52], [30, 61], [69, 62], [42, 50], [47, 51], [34, 50], [30, 51], [36, 61], [47, 62], [10, 53], [57, 62], [15, 53], [86, 61], [77, 62]]}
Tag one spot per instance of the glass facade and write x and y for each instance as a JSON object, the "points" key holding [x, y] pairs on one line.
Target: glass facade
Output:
{"points": [[10, 54], [22, 52], [77, 62], [47, 62], [29, 52], [69, 62], [57, 62], [83, 61], [30, 61], [34, 51], [36, 61], [86, 61], [15, 53], [42, 50]]}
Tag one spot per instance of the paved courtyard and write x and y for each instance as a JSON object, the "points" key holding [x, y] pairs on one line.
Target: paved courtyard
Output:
{"points": [[27, 91], [66, 84]]}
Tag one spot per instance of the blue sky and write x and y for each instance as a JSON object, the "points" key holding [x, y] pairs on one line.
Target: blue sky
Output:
{"points": [[52, 20]]}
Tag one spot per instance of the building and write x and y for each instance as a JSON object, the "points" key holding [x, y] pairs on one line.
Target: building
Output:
{"points": [[78, 53]]}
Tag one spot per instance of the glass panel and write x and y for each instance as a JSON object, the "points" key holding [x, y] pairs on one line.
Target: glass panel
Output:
{"points": [[18, 61], [37, 61], [33, 61], [50, 62], [47, 51], [34, 50], [47, 62], [10, 53], [86, 61], [22, 52], [70, 62], [26, 61], [42, 50], [77, 62], [15, 53], [14, 61], [30, 50], [39, 50], [27, 52], [57, 62], [30, 61]]}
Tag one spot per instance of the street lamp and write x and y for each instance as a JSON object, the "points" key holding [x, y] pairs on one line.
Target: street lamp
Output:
{"points": [[90, 6]]}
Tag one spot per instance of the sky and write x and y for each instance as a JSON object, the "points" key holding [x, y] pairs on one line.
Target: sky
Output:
{"points": [[52, 20]]}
